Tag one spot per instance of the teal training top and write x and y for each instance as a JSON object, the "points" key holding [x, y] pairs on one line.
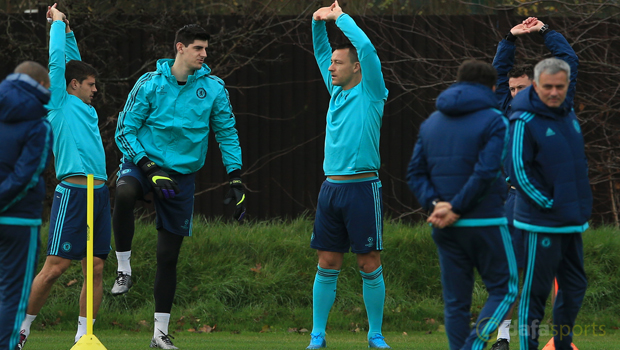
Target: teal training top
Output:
{"points": [[78, 149], [354, 117], [170, 123]]}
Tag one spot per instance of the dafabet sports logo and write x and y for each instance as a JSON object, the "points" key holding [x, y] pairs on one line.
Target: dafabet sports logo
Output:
{"points": [[488, 325]]}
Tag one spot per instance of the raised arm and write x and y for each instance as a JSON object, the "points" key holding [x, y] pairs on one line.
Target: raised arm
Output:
{"points": [[504, 61], [320, 42], [71, 48], [71, 51], [57, 47], [488, 168], [372, 77], [131, 119], [560, 48]]}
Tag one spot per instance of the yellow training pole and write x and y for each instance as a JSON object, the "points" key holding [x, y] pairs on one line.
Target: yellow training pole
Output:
{"points": [[90, 207], [89, 341]]}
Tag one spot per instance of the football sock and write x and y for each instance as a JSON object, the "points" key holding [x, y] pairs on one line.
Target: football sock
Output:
{"points": [[374, 298], [503, 331], [25, 329], [161, 324], [323, 296], [81, 330], [123, 262]]}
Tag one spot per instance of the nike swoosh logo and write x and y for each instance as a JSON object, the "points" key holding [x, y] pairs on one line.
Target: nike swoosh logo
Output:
{"points": [[155, 178]]}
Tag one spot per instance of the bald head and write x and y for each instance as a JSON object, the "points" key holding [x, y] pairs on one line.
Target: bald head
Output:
{"points": [[35, 71]]}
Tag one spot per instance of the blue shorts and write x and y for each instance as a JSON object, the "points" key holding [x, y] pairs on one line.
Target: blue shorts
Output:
{"points": [[173, 214], [67, 233], [349, 214], [517, 235]]}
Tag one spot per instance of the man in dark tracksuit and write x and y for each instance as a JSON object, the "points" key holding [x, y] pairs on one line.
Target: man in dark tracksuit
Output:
{"points": [[510, 81], [553, 201], [27, 143], [456, 171]]}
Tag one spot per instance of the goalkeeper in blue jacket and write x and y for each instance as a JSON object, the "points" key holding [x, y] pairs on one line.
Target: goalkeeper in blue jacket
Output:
{"points": [[163, 134]]}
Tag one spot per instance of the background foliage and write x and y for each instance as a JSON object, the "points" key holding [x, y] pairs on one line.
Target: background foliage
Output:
{"points": [[263, 51]]}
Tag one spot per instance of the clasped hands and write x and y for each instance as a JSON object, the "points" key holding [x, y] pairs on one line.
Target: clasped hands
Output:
{"points": [[330, 13], [443, 216], [529, 25], [55, 14]]}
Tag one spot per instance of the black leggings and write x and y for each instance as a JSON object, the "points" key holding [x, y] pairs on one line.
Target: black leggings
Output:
{"points": [[168, 248], [128, 191]]}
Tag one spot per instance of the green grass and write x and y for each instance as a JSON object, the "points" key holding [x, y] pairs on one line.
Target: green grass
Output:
{"points": [[259, 276], [117, 340]]}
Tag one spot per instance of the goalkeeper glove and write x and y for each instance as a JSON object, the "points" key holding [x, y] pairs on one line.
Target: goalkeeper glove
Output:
{"points": [[163, 185], [237, 194]]}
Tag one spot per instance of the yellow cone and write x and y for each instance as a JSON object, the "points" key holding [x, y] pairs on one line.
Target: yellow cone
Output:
{"points": [[88, 342]]}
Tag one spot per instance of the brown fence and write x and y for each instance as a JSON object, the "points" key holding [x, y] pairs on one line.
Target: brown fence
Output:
{"points": [[280, 100]]}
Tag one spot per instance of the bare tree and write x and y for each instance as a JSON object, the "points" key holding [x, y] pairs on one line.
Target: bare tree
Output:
{"points": [[257, 44]]}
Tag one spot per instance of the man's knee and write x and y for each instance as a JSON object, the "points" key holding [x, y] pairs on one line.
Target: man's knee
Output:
{"points": [[167, 257], [330, 260], [98, 268], [369, 262], [330, 265], [98, 265], [128, 189], [53, 268]]}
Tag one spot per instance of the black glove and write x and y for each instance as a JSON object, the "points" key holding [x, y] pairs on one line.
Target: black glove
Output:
{"points": [[163, 185], [237, 194]]}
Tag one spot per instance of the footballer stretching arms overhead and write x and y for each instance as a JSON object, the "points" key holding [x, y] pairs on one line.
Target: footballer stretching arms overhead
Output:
{"points": [[350, 208], [78, 151]]}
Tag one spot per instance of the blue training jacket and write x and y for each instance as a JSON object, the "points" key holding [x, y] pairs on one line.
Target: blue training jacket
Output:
{"points": [[549, 167], [170, 123], [458, 156], [355, 115], [505, 59], [26, 149]]}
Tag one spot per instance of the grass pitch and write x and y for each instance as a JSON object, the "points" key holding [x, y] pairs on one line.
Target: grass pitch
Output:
{"points": [[118, 340], [244, 279]]}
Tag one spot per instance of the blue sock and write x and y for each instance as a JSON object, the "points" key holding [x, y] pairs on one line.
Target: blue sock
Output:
{"points": [[374, 299], [323, 296]]}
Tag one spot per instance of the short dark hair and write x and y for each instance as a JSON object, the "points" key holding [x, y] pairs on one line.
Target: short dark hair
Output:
{"points": [[519, 71], [79, 71], [352, 51], [475, 71], [188, 34]]}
